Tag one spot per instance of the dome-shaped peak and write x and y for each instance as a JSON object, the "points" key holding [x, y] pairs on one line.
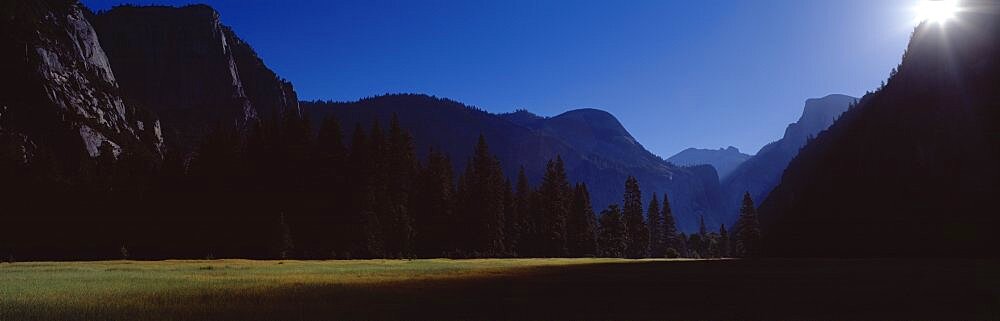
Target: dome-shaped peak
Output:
{"points": [[590, 124], [592, 113], [591, 117]]}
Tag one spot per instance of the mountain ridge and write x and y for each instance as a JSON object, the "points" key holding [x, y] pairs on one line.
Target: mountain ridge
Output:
{"points": [[526, 139], [724, 160], [759, 174]]}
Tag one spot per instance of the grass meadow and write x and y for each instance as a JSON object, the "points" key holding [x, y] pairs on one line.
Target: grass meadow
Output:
{"points": [[499, 289]]}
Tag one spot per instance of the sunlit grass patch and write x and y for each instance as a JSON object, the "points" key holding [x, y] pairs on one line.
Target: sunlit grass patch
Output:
{"points": [[186, 289]]}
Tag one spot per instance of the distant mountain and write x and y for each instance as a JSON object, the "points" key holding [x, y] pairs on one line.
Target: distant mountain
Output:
{"points": [[595, 146], [60, 97], [759, 174], [725, 160], [912, 169], [190, 69]]}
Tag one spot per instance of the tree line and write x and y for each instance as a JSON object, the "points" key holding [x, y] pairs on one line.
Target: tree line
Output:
{"points": [[280, 189]]}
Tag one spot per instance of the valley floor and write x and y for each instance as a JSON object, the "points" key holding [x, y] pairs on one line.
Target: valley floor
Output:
{"points": [[501, 289]]}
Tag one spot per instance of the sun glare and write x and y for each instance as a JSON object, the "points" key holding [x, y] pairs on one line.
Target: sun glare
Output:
{"points": [[939, 11]]}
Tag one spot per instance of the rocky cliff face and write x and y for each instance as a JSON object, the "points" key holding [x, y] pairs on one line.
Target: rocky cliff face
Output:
{"points": [[724, 160], [817, 116], [59, 89], [759, 174], [190, 69], [596, 148], [270, 95]]}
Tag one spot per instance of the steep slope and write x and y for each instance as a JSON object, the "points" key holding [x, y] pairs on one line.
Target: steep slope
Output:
{"points": [[725, 160], [596, 148], [912, 170], [190, 69], [59, 92], [759, 174]]}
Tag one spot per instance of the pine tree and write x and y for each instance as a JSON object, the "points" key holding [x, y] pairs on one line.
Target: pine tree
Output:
{"points": [[671, 239], [555, 196], [696, 246], [434, 223], [215, 177], [724, 247], [748, 229], [400, 165], [636, 232], [327, 188], [655, 219], [363, 236], [519, 223], [611, 239], [700, 242], [508, 221], [330, 153], [481, 191], [581, 227], [295, 149]]}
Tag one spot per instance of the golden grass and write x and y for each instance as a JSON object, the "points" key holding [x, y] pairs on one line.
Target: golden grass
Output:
{"points": [[545, 289], [182, 289]]}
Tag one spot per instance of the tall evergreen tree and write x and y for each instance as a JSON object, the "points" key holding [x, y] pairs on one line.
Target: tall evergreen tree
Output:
{"points": [[400, 165], [655, 219], [434, 223], [748, 229], [481, 191], [215, 172], [295, 149], [330, 155], [519, 223], [380, 204], [636, 232], [365, 235], [581, 227], [724, 246], [328, 187], [508, 215], [556, 194], [672, 240], [611, 238]]}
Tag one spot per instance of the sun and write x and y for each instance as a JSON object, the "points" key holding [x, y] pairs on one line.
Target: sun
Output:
{"points": [[939, 11]]}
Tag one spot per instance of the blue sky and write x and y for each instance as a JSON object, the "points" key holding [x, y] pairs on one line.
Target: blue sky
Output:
{"points": [[677, 74]]}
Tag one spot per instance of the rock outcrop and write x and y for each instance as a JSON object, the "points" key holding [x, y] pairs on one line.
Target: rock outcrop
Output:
{"points": [[190, 69], [59, 91]]}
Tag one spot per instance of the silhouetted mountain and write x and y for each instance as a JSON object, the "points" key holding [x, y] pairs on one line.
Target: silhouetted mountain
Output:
{"points": [[725, 160], [759, 174], [912, 169], [596, 148], [190, 69], [59, 94]]}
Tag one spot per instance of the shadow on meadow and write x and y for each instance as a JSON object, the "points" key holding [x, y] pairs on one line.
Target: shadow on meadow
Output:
{"points": [[765, 289]]}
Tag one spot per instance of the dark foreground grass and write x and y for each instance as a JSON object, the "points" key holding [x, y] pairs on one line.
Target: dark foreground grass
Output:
{"points": [[501, 289]]}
